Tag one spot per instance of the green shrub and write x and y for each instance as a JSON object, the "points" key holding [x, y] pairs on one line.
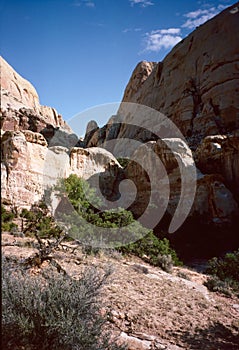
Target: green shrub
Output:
{"points": [[157, 251], [225, 272], [51, 311], [38, 221], [87, 224], [123, 161], [81, 197], [227, 267], [7, 217], [215, 284]]}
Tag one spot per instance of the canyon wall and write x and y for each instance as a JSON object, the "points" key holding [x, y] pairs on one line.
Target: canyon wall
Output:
{"points": [[196, 86]]}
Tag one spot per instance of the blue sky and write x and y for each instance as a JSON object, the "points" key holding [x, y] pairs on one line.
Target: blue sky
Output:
{"points": [[81, 53]]}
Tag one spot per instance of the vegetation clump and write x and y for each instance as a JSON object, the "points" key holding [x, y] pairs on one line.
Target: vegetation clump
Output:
{"points": [[225, 274], [7, 218], [146, 244], [54, 311], [156, 251]]}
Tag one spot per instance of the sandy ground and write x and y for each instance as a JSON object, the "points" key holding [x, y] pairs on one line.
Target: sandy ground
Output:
{"points": [[149, 308]]}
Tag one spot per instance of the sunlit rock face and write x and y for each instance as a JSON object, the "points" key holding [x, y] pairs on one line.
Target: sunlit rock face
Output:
{"points": [[29, 166], [38, 147], [196, 86], [20, 106]]}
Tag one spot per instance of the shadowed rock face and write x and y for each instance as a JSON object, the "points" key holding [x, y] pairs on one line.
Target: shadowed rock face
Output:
{"points": [[196, 86]]}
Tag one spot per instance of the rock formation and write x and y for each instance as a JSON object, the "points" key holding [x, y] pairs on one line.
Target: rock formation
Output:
{"points": [[20, 106], [196, 87], [38, 146]]}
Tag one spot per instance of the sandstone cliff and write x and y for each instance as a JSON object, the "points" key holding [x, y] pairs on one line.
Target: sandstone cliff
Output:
{"points": [[38, 146], [196, 87], [20, 106]]}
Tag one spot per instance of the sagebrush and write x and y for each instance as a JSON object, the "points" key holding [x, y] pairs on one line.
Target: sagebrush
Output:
{"points": [[51, 311]]}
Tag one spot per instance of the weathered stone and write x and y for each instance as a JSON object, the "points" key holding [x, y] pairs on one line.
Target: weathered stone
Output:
{"points": [[219, 154], [28, 166], [196, 85], [214, 202], [134, 343], [20, 106], [139, 75]]}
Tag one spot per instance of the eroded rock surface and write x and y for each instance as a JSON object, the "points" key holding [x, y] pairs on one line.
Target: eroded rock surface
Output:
{"points": [[29, 166], [38, 146], [196, 87]]}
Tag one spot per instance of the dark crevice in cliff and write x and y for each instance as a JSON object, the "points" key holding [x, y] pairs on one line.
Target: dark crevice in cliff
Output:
{"points": [[217, 117], [197, 102]]}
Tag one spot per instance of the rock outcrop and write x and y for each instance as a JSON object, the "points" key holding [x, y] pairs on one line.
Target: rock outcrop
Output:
{"points": [[29, 166], [196, 87], [20, 106], [219, 154], [213, 202], [38, 146]]}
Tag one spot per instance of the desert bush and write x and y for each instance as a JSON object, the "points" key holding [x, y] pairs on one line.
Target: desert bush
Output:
{"points": [[165, 262], [7, 217], [123, 162], [38, 221], [226, 267], [82, 197], [87, 223], [215, 284], [157, 251], [225, 273], [51, 311]]}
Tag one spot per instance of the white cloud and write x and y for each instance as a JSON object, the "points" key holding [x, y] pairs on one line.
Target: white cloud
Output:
{"points": [[86, 3], [142, 3], [200, 16], [126, 30], [162, 39], [90, 4]]}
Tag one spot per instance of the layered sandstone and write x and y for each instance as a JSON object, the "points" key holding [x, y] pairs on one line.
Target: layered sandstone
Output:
{"points": [[29, 167]]}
